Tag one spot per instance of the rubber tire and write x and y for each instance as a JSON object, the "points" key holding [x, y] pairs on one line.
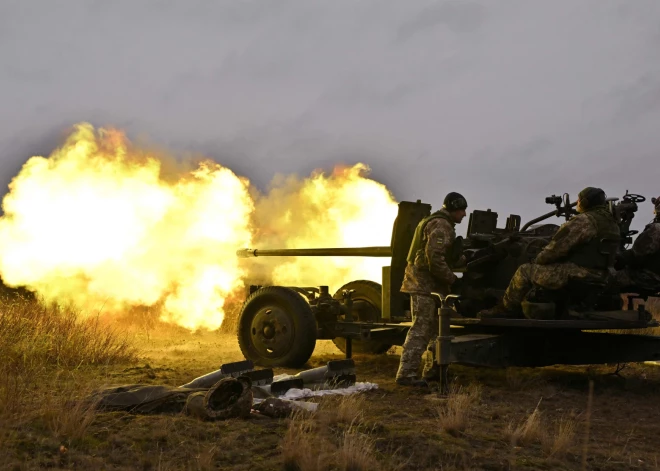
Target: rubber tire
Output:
{"points": [[304, 323], [371, 292]]}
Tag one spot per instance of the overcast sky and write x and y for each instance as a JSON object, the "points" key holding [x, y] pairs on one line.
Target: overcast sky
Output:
{"points": [[506, 101]]}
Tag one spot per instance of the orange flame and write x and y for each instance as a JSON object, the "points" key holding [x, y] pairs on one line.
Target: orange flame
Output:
{"points": [[101, 223]]}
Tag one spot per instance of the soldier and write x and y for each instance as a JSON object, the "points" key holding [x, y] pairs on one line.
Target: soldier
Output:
{"points": [[573, 252], [429, 269], [642, 261]]}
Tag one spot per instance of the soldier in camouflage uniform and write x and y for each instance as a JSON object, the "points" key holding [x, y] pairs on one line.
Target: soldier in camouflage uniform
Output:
{"points": [[429, 269], [642, 261], [573, 253]]}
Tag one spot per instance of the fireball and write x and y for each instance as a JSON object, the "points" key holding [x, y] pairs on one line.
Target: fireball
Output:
{"points": [[344, 209], [96, 225], [106, 226]]}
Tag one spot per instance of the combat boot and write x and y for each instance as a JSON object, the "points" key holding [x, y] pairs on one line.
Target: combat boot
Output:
{"points": [[412, 381]]}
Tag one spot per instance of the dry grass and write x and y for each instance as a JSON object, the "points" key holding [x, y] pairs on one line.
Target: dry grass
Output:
{"points": [[557, 443], [67, 413], [332, 438], [39, 344], [556, 440], [453, 415], [350, 408], [529, 431], [336, 411], [33, 335], [206, 459], [392, 426], [301, 448], [357, 452], [71, 423]]}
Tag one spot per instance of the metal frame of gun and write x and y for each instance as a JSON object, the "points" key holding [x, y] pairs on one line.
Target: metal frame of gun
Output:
{"points": [[624, 212]]}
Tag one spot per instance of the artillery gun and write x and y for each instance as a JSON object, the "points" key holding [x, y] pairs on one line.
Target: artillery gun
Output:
{"points": [[279, 325]]}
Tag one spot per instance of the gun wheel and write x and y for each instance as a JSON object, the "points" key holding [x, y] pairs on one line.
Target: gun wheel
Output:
{"points": [[276, 328], [367, 305]]}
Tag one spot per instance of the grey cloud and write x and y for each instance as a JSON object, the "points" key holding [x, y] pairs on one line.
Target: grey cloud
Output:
{"points": [[504, 101], [457, 16], [639, 99]]}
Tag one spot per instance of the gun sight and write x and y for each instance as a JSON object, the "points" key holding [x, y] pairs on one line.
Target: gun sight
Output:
{"points": [[556, 200]]}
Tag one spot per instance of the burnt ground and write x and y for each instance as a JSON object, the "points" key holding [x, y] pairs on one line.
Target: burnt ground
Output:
{"points": [[401, 427]]}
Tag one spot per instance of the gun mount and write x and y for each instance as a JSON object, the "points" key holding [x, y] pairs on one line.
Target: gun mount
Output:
{"points": [[564, 208], [279, 325], [624, 212]]}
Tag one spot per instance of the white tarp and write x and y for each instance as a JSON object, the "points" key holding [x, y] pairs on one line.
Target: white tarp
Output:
{"points": [[295, 395]]}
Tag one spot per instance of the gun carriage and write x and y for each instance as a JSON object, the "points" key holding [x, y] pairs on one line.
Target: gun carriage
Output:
{"points": [[280, 325]]}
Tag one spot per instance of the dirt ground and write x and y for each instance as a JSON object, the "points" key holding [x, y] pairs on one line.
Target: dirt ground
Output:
{"points": [[489, 421]]}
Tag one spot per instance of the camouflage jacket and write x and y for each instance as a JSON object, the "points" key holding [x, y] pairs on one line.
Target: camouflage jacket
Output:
{"points": [[645, 252], [575, 239], [431, 271]]}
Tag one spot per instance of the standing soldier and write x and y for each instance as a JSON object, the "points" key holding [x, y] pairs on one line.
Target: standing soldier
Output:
{"points": [[573, 252], [429, 269], [642, 261]]}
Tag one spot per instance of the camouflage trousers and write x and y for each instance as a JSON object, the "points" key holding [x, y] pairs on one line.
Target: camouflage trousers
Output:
{"points": [[641, 279], [553, 276], [424, 328]]}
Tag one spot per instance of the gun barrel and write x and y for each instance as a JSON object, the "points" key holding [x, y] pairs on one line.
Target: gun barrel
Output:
{"points": [[544, 217], [555, 213], [325, 252]]}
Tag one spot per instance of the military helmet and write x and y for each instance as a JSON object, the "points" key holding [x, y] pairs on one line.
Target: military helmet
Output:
{"points": [[591, 196], [656, 205], [454, 201]]}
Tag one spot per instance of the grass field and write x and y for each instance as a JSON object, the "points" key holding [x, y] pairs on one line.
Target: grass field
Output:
{"points": [[492, 420]]}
